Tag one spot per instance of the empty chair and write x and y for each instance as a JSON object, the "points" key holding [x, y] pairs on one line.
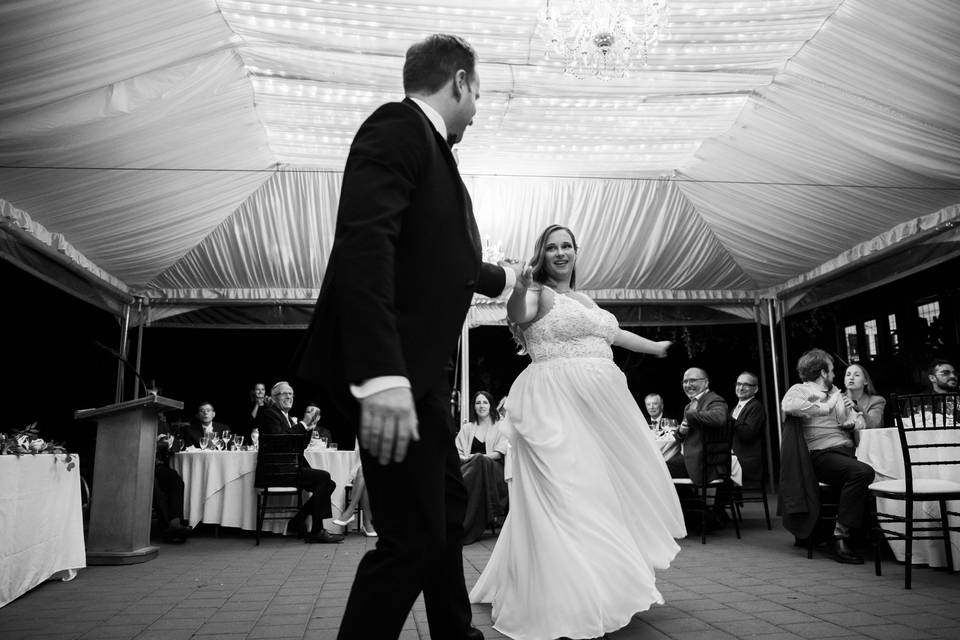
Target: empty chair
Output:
{"points": [[929, 432]]}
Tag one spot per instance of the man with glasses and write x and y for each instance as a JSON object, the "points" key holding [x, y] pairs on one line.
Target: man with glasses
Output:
{"points": [[942, 376], [276, 419], [706, 410], [749, 426]]}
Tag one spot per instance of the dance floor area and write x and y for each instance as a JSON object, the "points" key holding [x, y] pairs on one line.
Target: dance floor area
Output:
{"points": [[225, 588]]}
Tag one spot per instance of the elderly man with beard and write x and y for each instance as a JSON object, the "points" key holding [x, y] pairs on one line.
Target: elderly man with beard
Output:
{"points": [[276, 419]]}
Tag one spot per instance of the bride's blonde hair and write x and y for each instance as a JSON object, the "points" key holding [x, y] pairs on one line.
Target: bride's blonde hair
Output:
{"points": [[539, 264]]}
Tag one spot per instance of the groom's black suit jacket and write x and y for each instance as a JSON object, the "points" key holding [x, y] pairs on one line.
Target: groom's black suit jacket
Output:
{"points": [[401, 276], [404, 266]]}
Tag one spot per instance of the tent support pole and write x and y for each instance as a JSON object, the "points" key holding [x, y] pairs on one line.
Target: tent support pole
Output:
{"points": [[774, 367], [464, 374], [784, 356], [140, 323], [764, 395], [124, 327]]}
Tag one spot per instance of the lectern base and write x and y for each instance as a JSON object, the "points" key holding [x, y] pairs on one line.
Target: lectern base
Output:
{"points": [[122, 557]]}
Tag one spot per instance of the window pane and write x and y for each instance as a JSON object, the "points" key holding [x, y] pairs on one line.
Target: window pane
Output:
{"points": [[870, 331], [929, 311], [894, 338], [850, 336]]}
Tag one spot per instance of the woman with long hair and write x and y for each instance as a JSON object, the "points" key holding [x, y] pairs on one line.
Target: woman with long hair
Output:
{"points": [[482, 449], [593, 510]]}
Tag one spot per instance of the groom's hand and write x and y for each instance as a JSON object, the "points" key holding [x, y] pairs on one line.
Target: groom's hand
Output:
{"points": [[388, 421]]}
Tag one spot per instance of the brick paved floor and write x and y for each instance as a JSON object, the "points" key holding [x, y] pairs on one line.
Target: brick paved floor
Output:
{"points": [[225, 588]]}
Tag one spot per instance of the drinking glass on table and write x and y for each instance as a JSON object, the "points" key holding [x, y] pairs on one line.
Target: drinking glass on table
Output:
{"points": [[255, 439], [204, 442], [238, 442], [669, 426], [227, 438]]}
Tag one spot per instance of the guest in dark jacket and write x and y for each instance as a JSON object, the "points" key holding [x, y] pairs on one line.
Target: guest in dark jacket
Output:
{"points": [[203, 424], [276, 419], [749, 428], [705, 411]]}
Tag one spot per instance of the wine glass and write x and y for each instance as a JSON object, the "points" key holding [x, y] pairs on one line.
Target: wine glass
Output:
{"points": [[204, 442], [237, 441], [217, 442], [226, 436], [255, 438]]}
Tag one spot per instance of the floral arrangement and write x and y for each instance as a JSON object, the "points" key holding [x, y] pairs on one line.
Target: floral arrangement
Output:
{"points": [[28, 441]]}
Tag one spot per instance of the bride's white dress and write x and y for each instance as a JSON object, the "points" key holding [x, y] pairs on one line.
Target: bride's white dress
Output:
{"points": [[593, 511]]}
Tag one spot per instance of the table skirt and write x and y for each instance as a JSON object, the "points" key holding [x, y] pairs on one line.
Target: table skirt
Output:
{"points": [[41, 520]]}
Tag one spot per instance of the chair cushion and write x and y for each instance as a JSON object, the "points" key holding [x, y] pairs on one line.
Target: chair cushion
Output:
{"points": [[921, 486]]}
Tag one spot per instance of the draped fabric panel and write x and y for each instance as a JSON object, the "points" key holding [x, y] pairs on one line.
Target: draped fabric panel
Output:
{"points": [[191, 151]]}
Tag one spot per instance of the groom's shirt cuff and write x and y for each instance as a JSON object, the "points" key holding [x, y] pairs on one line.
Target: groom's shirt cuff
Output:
{"points": [[378, 384]]}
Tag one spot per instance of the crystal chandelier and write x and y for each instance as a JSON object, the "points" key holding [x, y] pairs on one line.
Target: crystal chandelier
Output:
{"points": [[601, 38]]}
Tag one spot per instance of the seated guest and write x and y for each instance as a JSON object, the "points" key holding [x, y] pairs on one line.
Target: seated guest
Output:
{"points": [[203, 424], [705, 411], [358, 497], [276, 418], [654, 404], [827, 427], [311, 421], [863, 402], [482, 449], [942, 376], [168, 495], [749, 426]]}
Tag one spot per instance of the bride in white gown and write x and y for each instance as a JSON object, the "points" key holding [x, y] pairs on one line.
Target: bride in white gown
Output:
{"points": [[593, 512]]}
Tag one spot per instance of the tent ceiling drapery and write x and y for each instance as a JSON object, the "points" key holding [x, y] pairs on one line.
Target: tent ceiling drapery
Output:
{"points": [[189, 152]]}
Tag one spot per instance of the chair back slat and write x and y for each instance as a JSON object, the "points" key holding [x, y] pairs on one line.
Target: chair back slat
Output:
{"points": [[717, 449], [278, 460], [928, 425]]}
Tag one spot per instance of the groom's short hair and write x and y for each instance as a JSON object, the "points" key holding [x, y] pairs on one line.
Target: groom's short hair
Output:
{"points": [[431, 62]]}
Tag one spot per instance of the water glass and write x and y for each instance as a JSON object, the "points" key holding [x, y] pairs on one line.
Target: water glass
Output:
{"points": [[204, 442], [238, 442]]}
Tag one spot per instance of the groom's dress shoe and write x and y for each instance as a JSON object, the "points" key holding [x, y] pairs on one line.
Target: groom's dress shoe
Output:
{"points": [[843, 552], [324, 537]]}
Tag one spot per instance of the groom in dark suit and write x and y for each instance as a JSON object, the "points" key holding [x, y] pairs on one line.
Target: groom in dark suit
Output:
{"points": [[405, 264]]}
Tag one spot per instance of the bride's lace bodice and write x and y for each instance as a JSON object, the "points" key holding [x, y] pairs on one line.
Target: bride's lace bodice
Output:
{"points": [[571, 330]]}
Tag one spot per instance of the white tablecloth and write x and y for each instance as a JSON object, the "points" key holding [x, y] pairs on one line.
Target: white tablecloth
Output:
{"points": [[219, 486], [880, 448], [670, 446], [41, 522]]}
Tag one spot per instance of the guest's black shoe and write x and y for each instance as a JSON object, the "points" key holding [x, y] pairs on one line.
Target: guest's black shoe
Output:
{"points": [[177, 535], [843, 552], [324, 537]]}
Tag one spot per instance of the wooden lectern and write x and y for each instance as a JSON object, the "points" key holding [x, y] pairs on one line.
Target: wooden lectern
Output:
{"points": [[121, 501]]}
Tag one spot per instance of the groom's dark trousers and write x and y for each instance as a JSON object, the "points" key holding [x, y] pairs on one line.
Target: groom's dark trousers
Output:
{"points": [[418, 508]]}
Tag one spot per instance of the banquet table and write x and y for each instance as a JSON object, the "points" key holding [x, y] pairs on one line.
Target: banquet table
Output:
{"points": [[670, 446], [218, 486], [41, 522], [880, 448]]}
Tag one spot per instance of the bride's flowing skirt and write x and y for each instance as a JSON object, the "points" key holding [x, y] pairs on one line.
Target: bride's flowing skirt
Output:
{"points": [[593, 511]]}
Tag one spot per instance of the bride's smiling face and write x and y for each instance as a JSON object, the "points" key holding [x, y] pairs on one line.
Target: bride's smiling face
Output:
{"points": [[560, 256]]}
